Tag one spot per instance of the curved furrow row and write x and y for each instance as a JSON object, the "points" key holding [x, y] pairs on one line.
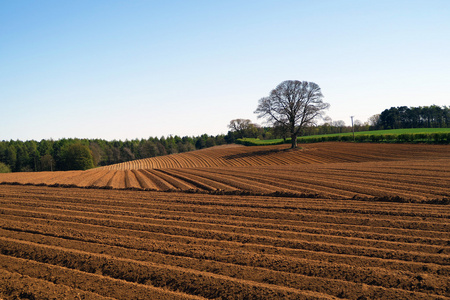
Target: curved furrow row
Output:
{"points": [[105, 179], [365, 185], [266, 170], [159, 275], [161, 243], [188, 246], [158, 181], [86, 178], [311, 222], [418, 179], [433, 187], [200, 183], [154, 225], [177, 183], [154, 215], [363, 214], [249, 274], [131, 180], [309, 242], [215, 267], [118, 180], [22, 278], [273, 183], [144, 180]]}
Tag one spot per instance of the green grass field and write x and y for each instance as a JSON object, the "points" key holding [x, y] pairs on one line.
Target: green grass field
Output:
{"points": [[390, 131], [413, 135]]}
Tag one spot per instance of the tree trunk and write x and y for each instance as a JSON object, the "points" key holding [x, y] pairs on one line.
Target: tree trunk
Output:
{"points": [[294, 141]]}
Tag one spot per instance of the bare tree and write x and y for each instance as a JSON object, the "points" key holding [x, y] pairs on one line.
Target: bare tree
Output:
{"points": [[293, 104], [373, 120], [339, 124], [239, 124], [243, 127]]}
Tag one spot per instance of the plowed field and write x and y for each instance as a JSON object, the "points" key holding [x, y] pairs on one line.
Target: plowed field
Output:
{"points": [[60, 243], [220, 233], [321, 153], [327, 170]]}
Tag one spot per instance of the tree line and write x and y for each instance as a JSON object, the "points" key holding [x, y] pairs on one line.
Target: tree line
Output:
{"points": [[83, 154], [244, 128], [393, 118], [433, 116]]}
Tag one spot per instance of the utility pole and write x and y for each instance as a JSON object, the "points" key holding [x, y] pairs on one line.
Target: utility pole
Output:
{"points": [[353, 129]]}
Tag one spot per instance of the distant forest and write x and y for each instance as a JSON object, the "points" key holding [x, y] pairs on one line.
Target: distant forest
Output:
{"points": [[82, 154], [414, 117]]}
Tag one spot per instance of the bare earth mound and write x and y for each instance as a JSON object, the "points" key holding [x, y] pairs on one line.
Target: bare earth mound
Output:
{"points": [[328, 170], [60, 243]]}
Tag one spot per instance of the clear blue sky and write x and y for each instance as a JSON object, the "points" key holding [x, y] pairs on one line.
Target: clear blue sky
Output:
{"points": [[133, 69]]}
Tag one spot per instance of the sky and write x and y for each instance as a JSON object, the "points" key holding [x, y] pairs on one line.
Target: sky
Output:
{"points": [[113, 69]]}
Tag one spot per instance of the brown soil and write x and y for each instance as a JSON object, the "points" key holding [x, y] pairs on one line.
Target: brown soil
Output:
{"points": [[391, 172], [61, 243]]}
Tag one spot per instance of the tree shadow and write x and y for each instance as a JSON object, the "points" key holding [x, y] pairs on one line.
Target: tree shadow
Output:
{"points": [[259, 153]]}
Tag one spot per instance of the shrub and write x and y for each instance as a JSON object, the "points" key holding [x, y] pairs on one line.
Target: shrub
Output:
{"points": [[375, 138], [439, 137], [361, 137], [4, 168], [420, 137], [404, 137], [390, 137]]}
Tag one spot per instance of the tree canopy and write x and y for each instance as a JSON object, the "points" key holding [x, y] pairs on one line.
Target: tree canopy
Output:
{"points": [[243, 128], [414, 117], [51, 155], [78, 157], [292, 105]]}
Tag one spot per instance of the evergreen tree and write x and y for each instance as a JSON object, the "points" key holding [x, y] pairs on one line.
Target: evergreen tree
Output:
{"points": [[78, 157]]}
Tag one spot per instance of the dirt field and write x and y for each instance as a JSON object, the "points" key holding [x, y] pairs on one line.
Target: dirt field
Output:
{"points": [[93, 244], [327, 170], [352, 221]]}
